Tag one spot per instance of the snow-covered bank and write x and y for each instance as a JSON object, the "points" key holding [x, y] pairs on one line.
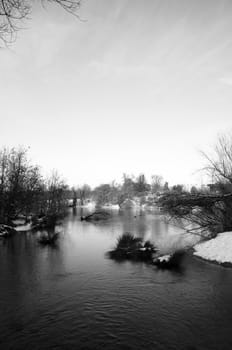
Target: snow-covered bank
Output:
{"points": [[218, 249], [23, 228]]}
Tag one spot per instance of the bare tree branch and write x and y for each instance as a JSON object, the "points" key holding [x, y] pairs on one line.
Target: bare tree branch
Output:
{"points": [[14, 12], [208, 213]]}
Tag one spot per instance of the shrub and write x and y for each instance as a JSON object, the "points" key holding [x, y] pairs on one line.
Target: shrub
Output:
{"points": [[127, 240]]}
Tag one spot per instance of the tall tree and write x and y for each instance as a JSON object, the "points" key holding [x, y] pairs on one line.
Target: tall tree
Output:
{"points": [[21, 184], [57, 199]]}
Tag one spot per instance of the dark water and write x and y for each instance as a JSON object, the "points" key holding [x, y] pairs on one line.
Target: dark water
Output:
{"points": [[74, 297]]}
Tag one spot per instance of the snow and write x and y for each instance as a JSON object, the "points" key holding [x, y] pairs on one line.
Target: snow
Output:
{"points": [[22, 228], [165, 258], [218, 249], [111, 206], [115, 206], [88, 205]]}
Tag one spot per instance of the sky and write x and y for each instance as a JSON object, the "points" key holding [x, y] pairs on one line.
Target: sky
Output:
{"points": [[133, 87]]}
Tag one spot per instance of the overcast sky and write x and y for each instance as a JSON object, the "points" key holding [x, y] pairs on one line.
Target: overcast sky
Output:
{"points": [[137, 86]]}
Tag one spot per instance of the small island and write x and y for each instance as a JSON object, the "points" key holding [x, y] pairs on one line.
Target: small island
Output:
{"points": [[129, 247]]}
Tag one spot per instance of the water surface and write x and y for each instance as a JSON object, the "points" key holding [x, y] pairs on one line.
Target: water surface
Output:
{"points": [[74, 297]]}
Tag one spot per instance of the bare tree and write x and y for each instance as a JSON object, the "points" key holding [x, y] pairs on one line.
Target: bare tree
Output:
{"points": [[14, 12], [219, 164], [83, 193], [3, 181], [209, 212], [21, 184], [56, 196]]}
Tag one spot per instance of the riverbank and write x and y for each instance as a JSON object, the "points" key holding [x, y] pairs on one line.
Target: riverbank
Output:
{"points": [[217, 250]]}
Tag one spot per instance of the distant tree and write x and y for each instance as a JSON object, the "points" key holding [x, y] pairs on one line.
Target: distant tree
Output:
{"points": [[128, 188], [156, 183], [102, 194], [56, 197], [141, 187], [166, 187], [194, 190], [83, 193], [33, 192], [4, 168], [14, 12], [73, 196], [115, 192], [178, 188]]}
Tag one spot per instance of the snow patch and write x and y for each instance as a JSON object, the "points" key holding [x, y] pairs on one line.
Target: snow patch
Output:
{"points": [[217, 249], [164, 258], [22, 228]]}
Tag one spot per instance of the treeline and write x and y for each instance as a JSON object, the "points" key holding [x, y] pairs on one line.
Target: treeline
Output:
{"points": [[116, 193], [132, 187], [24, 191]]}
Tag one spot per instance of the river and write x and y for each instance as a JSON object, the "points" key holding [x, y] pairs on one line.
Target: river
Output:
{"points": [[74, 297]]}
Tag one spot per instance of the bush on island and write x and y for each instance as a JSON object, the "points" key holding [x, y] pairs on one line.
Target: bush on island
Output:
{"points": [[132, 248]]}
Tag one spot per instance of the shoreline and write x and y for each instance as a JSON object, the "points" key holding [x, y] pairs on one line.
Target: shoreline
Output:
{"points": [[212, 262], [217, 250]]}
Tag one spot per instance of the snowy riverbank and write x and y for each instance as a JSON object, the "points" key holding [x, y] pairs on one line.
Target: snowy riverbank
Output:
{"points": [[218, 249]]}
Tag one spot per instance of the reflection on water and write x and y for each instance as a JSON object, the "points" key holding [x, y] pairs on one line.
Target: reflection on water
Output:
{"points": [[74, 297]]}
